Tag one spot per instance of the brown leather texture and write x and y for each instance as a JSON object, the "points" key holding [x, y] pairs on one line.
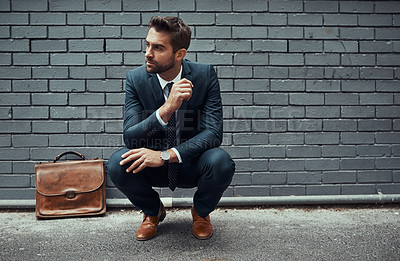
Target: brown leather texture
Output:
{"points": [[70, 188]]}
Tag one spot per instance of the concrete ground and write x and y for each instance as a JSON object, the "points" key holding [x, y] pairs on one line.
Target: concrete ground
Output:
{"points": [[279, 233]]}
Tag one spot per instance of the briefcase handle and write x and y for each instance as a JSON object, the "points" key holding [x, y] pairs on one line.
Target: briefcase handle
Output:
{"points": [[69, 152]]}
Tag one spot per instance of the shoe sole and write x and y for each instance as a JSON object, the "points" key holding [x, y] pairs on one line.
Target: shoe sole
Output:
{"points": [[203, 238]]}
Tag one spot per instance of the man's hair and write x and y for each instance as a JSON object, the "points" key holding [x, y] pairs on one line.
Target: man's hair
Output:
{"points": [[180, 32]]}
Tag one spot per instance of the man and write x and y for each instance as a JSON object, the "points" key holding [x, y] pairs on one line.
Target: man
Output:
{"points": [[173, 133]]}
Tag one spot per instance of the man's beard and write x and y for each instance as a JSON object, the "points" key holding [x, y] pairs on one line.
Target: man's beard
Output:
{"points": [[157, 68]]}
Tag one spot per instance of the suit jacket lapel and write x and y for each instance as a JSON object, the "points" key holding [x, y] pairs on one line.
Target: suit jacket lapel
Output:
{"points": [[156, 90], [186, 73]]}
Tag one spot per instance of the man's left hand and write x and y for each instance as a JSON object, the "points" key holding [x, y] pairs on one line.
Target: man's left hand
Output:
{"points": [[142, 158]]}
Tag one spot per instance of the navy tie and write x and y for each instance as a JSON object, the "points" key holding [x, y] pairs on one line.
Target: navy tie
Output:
{"points": [[171, 134]]}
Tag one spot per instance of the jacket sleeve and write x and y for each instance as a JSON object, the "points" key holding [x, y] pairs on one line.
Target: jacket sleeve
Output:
{"points": [[139, 126], [211, 128]]}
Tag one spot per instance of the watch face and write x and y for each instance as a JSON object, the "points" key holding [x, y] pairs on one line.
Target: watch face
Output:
{"points": [[165, 155]]}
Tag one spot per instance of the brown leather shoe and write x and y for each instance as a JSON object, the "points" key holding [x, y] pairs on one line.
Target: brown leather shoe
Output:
{"points": [[202, 228], [148, 228]]}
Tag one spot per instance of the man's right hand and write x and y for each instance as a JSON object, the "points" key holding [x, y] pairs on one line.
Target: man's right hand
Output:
{"points": [[180, 91]]}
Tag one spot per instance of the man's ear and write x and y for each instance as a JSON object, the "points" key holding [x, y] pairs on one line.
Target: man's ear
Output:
{"points": [[180, 54]]}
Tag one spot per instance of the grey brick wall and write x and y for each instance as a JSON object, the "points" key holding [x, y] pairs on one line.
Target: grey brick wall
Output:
{"points": [[311, 89]]}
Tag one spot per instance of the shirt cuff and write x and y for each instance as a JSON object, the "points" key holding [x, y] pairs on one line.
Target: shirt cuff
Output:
{"points": [[177, 154], [160, 120]]}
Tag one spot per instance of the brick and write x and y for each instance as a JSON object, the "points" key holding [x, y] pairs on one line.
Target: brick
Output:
{"points": [[87, 72], [86, 45], [321, 6], [122, 19], [250, 139], [376, 73], [198, 18], [15, 181], [67, 85], [30, 86], [304, 177], [49, 99], [249, 32], [358, 59], [288, 190], [269, 126], [267, 152], [86, 99], [387, 7], [237, 152], [286, 165], [323, 190], [288, 112], [286, 138], [375, 20], [388, 163], [306, 99], [140, 5], [236, 99], [15, 73], [28, 32], [376, 46], [388, 188], [321, 33], [251, 165], [37, 112], [305, 46], [325, 112], [215, 58], [5, 140], [138, 32], [84, 18], [5, 59], [50, 72], [322, 59], [30, 59], [14, 19], [388, 59], [104, 112], [212, 5], [233, 46], [322, 164], [5, 6], [358, 138], [269, 19], [60, 5], [358, 86], [67, 112], [252, 112], [373, 150], [376, 98], [65, 140], [305, 19], [118, 72], [250, 59], [104, 59], [305, 125], [356, 7], [266, 178], [28, 141], [271, 99], [340, 125], [341, 46], [115, 99], [114, 126], [233, 19], [357, 164], [14, 154], [5, 113], [389, 138], [322, 86], [339, 177], [303, 151], [202, 45], [285, 33], [14, 99], [49, 46], [341, 99], [49, 126], [338, 151], [104, 140], [104, 86], [388, 86], [250, 5], [386, 34], [251, 191], [306, 72], [102, 32], [372, 176], [24, 167], [213, 32], [14, 45], [358, 112], [4, 32], [15, 126], [340, 19], [5, 167], [271, 72], [237, 126], [321, 138], [285, 6], [177, 5], [286, 59], [136, 58], [65, 32], [48, 19], [270, 46]]}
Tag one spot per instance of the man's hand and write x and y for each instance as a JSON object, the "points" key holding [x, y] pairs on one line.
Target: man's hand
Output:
{"points": [[180, 91], [142, 158]]}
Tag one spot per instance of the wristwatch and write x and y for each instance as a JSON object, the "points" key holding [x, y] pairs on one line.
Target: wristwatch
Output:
{"points": [[165, 156]]}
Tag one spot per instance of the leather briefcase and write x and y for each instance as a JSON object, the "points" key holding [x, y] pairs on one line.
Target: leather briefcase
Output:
{"points": [[70, 188]]}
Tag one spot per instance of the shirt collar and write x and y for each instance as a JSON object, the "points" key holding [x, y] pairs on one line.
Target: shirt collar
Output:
{"points": [[163, 82]]}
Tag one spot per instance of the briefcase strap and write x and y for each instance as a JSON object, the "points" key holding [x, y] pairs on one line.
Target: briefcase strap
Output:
{"points": [[69, 152]]}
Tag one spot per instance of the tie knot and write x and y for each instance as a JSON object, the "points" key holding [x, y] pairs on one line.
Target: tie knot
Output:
{"points": [[169, 86]]}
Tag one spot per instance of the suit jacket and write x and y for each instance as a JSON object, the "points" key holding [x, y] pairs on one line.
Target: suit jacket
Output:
{"points": [[200, 118]]}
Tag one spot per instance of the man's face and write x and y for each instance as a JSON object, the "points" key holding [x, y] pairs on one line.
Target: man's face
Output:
{"points": [[159, 52]]}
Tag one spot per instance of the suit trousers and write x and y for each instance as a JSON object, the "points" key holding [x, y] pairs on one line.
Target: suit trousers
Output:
{"points": [[211, 172]]}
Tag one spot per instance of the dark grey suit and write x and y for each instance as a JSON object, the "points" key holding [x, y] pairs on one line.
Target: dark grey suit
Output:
{"points": [[204, 165]]}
